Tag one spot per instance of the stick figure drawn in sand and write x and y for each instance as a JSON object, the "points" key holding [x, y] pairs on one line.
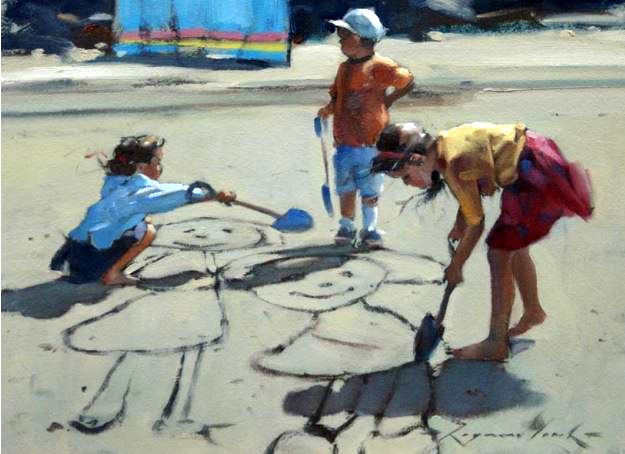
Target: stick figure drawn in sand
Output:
{"points": [[195, 320], [356, 325], [365, 312]]}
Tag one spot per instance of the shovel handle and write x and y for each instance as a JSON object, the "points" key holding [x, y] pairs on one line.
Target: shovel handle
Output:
{"points": [[448, 290], [443, 308], [258, 208], [320, 126]]}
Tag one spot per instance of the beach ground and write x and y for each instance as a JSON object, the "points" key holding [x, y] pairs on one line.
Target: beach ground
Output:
{"points": [[216, 361]]}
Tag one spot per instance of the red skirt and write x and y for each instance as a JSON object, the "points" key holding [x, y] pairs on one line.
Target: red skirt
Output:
{"points": [[547, 188]]}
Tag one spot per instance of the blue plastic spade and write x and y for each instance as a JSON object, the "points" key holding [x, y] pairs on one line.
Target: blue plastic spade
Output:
{"points": [[326, 195], [294, 220]]}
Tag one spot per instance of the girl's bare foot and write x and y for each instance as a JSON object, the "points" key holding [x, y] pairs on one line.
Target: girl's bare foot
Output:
{"points": [[118, 278], [527, 321], [487, 350]]}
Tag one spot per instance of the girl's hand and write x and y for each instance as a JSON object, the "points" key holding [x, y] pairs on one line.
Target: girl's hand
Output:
{"points": [[456, 233], [226, 197], [453, 274], [486, 186]]}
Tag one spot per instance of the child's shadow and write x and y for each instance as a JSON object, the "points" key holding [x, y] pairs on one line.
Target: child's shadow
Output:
{"points": [[51, 299], [461, 389]]}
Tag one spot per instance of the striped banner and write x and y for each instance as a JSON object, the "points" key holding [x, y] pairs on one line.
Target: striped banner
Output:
{"points": [[241, 29]]}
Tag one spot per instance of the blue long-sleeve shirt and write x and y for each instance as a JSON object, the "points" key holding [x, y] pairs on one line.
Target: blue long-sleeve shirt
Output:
{"points": [[124, 202]]}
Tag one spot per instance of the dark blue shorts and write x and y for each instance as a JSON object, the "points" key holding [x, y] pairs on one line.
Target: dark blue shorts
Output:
{"points": [[86, 263]]}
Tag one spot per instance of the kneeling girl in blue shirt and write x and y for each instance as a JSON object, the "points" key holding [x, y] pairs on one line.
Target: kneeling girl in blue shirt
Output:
{"points": [[116, 229]]}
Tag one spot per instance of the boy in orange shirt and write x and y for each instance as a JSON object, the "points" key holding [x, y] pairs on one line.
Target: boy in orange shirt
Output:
{"points": [[365, 87]]}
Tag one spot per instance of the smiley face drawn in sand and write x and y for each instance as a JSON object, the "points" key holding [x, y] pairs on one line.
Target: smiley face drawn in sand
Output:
{"points": [[213, 235], [388, 293], [311, 283]]}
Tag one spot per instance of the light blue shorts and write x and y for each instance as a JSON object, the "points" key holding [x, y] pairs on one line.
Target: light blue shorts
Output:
{"points": [[352, 166]]}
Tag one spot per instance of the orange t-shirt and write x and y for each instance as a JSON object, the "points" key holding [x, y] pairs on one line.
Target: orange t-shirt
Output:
{"points": [[358, 99]]}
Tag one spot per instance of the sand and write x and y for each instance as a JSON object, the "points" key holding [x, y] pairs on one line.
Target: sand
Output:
{"points": [[205, 357]]}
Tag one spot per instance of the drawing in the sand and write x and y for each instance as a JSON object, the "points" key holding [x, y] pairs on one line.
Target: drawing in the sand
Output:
{"points": [[361, 349], [159, 323], [100, 335], [288, 320]]}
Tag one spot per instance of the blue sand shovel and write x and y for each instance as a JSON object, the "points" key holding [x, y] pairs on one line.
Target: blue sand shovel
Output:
{"points": [[294, 220], [320, 126], [431, 329]]}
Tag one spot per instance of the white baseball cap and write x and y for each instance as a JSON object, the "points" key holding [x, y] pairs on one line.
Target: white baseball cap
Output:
{"points": [[363, 22]]}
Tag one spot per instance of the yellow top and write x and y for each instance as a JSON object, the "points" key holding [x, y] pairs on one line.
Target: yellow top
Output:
{"points": [[483, 154]]}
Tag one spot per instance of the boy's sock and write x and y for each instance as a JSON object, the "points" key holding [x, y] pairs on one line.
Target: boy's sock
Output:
{"points": [[369, 217], [347, 223]]}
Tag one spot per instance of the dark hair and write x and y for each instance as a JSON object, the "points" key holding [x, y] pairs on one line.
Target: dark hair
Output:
{"points": [[394, 156], [389, 138], [131, 151]]}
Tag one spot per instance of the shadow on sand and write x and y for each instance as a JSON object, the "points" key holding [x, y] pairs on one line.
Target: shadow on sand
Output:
{"points": [[51, 299], [460, 389], [200, 62]]}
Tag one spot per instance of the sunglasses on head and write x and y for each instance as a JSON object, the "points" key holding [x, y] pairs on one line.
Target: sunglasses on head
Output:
{"points": [[144, 141], [393, 161]]}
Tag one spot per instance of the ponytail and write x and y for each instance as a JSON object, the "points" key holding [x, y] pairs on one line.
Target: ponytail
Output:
{"points": [[429, 194]]}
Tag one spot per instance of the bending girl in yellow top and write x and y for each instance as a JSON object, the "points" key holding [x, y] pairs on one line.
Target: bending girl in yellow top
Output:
{"points": [[539, 187]]}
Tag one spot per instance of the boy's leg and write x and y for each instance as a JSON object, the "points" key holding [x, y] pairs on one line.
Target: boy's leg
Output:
{"points": [[348, 205], [347, 228], [495, 346], [346, 189], [369, 213], [524, 272], [370, 186], [115, 274]]}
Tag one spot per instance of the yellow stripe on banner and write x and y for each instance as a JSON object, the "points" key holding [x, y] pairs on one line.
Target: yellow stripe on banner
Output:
{"points": [[214, 44]]}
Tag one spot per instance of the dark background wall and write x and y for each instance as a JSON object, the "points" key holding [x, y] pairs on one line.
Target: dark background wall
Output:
{"points": [[57, 25]]}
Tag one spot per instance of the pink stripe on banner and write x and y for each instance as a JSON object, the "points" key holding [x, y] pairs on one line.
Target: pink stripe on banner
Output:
{"points": [[193, 33], [226, 36], [201, 33], [156, 34], [161, 34], [267, 37]]}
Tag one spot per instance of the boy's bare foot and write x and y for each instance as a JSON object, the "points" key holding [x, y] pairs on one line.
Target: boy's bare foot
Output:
{"points": [[118, 278], [527, 321], [486, 350]]}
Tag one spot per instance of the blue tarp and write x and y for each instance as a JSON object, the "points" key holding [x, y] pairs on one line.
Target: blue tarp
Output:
{"points": [[240, 29]]}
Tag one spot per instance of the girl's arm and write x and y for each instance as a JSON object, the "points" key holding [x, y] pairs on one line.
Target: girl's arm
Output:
{"points": [[472, 214], [159, 198], [459, 227], [471, 236]]}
